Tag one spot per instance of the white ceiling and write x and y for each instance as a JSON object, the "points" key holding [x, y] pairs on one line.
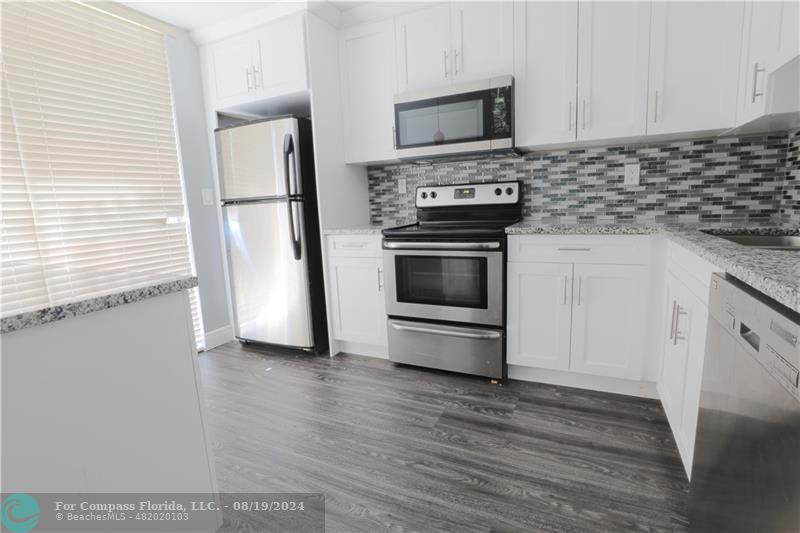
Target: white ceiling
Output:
{"points": [[191, 15]]}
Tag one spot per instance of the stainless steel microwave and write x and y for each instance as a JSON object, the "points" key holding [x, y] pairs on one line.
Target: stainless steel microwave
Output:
{"points": [[465, 118]]}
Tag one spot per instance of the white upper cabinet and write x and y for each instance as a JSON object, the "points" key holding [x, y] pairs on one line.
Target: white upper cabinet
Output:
{"points": [[545, 72], [454, 42], [482, 40], [770, 39], [613, 44], [264, 63], [424, 54], [694, 66], [609, 320], [539, 314], [231, 63], [367, 62], [281, 67]]}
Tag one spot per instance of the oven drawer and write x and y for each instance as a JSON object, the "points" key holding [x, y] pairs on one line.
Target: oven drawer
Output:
{"points": [[597, 249], [469, 350]]}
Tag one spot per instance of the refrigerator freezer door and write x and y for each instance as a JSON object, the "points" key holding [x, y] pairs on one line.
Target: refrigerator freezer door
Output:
{"points": [[252, 160], [270, 288]]}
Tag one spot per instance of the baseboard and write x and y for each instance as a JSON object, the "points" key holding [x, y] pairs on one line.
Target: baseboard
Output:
{"points": [[642, 389], [358, 348], [219, 336]]}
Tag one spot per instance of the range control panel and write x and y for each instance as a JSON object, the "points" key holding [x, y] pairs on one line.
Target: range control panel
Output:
{"points": [[502, 192]]}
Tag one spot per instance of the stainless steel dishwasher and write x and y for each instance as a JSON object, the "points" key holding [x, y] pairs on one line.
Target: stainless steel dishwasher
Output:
{"points": [[746, 472]]}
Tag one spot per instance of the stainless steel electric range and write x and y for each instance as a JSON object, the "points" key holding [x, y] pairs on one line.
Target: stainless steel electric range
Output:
{"points": [[446, 279]]}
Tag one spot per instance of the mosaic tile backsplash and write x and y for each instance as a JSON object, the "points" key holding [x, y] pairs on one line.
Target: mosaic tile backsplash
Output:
{"points": [[790, 207], [752, 178]]}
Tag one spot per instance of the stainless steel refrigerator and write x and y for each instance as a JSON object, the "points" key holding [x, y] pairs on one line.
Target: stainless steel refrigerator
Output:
{"points": [[268, 195]]}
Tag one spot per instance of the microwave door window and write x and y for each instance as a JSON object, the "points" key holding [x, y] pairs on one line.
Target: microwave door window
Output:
{"points": [[461, 120], [444, 281], [418, 126], [443, 120]]}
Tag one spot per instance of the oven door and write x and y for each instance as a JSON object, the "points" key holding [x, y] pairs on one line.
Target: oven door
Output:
{"points": [[456, 282]]}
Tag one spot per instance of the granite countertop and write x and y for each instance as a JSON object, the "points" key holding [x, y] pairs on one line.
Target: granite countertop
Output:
{"points": [[773, 272], [67, 310]]}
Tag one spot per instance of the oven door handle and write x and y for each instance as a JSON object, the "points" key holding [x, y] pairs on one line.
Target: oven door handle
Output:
{"points": [[463, 333], [441, 245]]}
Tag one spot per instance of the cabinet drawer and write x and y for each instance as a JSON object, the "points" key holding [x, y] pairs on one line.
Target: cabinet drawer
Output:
{"points": [[354, 246], [609, 249]]}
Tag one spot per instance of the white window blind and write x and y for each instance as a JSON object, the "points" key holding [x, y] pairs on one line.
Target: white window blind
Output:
{"points": [[91, 198]]}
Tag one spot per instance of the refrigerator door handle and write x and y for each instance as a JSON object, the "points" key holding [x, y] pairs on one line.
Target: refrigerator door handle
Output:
{"points": [[294, 228], [288, 150], [292, 187]]}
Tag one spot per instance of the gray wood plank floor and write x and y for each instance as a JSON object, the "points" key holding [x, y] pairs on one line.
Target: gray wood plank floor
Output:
{"points": [[403, 449]]}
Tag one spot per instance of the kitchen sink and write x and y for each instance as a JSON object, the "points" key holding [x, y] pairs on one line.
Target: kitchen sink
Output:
{"points": [[768, 242]]}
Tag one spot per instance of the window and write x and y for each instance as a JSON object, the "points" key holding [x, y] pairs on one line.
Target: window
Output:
{"points": [[91, 198]]}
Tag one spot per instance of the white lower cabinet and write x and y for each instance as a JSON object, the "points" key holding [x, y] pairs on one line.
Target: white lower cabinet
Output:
{"points": [[680, 379], [609, 320], [539, 314], [581, 316], [359, 311]]}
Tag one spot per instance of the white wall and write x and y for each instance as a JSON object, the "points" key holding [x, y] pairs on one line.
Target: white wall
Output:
{"points": [[193, 137]]}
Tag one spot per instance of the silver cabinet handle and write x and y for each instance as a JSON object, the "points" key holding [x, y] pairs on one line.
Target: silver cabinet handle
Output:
{"points": [[672, 320], [566, 280], [249, 81], [455, 61], [569, 117], [352, 245], [574, 249], [380, 279], [756, 71], [655, 108], [394, 137], [461, 333], [441, 245], [580, 287], [678, 335], [583, 113], [446, 73]]}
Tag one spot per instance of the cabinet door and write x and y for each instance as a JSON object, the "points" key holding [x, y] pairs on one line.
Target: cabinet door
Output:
{"points": [[368, 87], [694, 66], [539, 314], [770, 39], [359, 309], [545, 73], [281, 62], [232, 68], [613, 44], [690, 333], [672, 378], [483, 39], [680, 379], [424, 54], [609, 320]]}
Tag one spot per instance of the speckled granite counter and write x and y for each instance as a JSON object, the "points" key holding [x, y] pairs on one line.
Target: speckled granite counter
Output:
{"points": [[68, 310], [773, 272]]}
